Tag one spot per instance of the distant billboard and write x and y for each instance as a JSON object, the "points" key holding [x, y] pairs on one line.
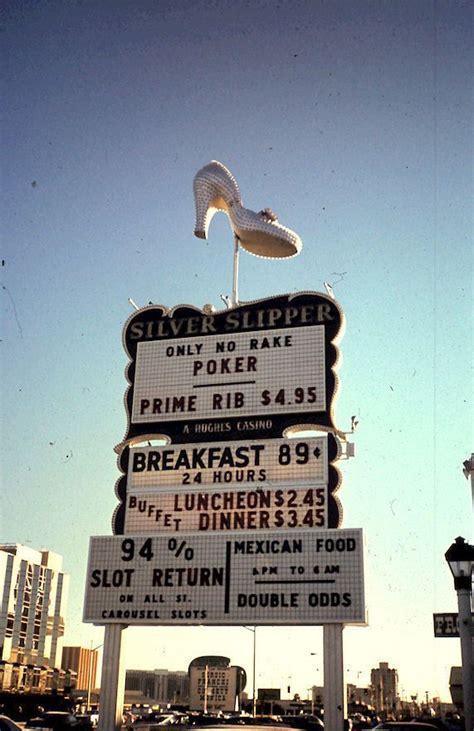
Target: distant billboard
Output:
{"points": [[212, 688], [248, 372]]}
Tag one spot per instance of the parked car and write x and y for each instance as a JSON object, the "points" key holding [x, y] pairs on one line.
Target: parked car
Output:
{"points": [[433, 721], [6, 724], [156, 719], [153, 720], [88, 719], [405, 726], [222, 726], [58, 721], [304, 721]]}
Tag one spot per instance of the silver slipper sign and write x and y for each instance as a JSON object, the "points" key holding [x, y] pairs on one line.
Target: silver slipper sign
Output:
{"points": [[253, 371]]}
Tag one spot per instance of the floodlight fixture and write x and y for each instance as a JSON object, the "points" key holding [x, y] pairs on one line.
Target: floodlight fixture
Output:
{"points": [[329, 289], [468, 467]]}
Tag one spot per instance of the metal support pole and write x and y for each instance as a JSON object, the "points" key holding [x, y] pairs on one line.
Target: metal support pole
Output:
{"points": [[235, 279], [112, 686], [334, 690], [254, 700], [89, 681], [254, 668], [467, 638]]}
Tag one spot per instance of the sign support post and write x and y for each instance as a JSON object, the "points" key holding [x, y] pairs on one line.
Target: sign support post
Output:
{"points": [[334, 695], [235, 277], [113, 680]]}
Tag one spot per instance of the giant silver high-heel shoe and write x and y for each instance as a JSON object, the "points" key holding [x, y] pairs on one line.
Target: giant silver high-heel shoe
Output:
{"points": [[216, 189]]}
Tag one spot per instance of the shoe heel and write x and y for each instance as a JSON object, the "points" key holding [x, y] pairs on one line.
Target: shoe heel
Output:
{"points": [[215, 189], [204, 194]]}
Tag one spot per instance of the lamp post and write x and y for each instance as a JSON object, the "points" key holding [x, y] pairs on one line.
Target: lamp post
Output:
{"points": [[460, 558]]}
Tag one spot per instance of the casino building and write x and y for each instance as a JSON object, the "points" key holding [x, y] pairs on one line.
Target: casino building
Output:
{"points": [[32, 605], [156, 687]]}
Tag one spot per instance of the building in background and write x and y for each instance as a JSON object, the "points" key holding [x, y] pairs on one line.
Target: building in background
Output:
{"points": [[33, 592], [455, 688], [358, 696], [384, 681], [157, 687], [82, 661]]}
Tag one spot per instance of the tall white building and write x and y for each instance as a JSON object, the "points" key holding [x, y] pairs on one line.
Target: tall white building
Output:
{"points": [[33, 592], [384, 682]]}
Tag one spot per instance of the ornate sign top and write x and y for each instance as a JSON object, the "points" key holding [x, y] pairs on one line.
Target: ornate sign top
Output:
{"points": [[253, 371]]}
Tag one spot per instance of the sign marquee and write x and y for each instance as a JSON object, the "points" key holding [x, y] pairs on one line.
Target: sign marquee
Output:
{"points": [[257, 483], [290, 578], [261, 462], [211, 510], [224, 391], [251, 371], [202, 378]]}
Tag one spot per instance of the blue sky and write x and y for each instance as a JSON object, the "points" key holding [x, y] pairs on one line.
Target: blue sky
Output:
{"points": [[353, 121]]}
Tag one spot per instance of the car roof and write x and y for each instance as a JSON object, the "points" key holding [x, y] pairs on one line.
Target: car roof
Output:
{"points": [[254, 726], [8, 720], [406, 725]]}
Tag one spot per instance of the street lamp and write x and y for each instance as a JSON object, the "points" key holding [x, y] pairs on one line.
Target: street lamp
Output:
{"points": [[460, 558]]}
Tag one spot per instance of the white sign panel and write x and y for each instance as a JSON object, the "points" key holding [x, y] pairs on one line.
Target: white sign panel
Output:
{"points": [[264, 463], [257, 578], [212, 689], [230, 375], [227, 509]]}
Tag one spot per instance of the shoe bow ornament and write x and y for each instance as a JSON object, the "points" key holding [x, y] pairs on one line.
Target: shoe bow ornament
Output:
{"points": [[216, 189]]}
